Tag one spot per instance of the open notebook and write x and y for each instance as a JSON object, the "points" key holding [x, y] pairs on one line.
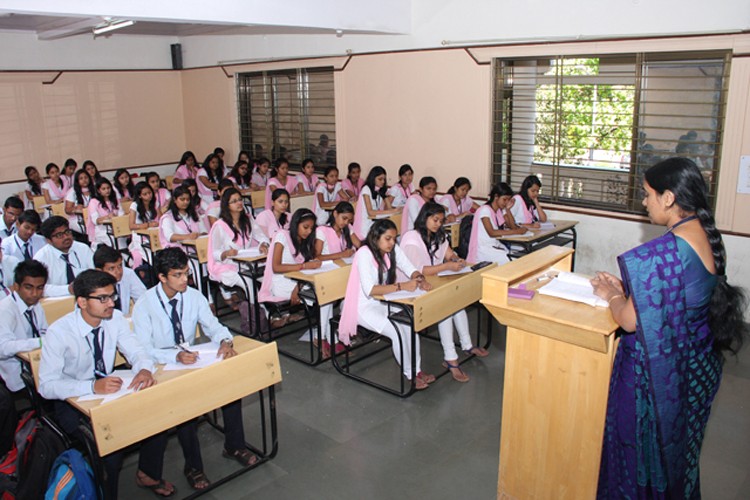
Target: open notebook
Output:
{"points": [[571, 286]]}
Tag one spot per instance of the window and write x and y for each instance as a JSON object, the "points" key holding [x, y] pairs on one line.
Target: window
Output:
{"points": [[289, 113], [589, 126]]}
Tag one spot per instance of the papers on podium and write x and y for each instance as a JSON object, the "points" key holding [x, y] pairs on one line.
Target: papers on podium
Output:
{"points": [[571, 286]]}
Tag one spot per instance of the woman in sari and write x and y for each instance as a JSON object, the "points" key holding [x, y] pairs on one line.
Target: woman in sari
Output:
{"points": [[679, 315]]}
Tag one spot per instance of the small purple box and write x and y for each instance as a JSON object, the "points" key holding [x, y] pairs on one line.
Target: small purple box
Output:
{"points": [[521, 293]]}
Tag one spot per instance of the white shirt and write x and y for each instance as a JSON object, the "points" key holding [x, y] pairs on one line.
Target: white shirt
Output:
{"points": [[519, 214], [400, 195], [129, 287], [6, 231], [67, 366], [16, 336], [183, 225], [81, 258], [153, 324], [410, 213], [328, 197], [14, 245], [7, 269]]}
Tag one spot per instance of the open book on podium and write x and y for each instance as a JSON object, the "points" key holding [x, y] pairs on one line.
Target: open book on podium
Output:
{"points": [[558, 361]]}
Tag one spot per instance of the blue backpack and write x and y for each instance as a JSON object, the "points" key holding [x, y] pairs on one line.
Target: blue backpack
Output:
{"points": [[71, 478]]}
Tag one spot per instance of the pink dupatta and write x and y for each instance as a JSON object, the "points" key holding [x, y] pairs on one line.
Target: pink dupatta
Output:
{"points": [[274, 184], [350, 313], [333, 241], [416, 251], [471, 256], [218, 267], [265, 294], [406, 223]]}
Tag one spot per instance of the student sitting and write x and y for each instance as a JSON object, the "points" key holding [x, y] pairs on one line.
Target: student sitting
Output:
{"points": [[166, 317], [25, 242], [457, 201], [78, 198], [374, 273], [372, 202], [56, 187], [241, 177], [307, 180], [291, 250], [34, 185], [187, 168], [209, 176], [527, 211], [161, 194], [214, 208], [280, 179], [78, 355], [102, 208], [181, 222], [91, 169], [426, 246], [426, 193], [143, 215], [128, 285], [232, 232], [123, 186], [8, 265], [269, 222], [68, 171], [22, 320], [326, 195], [65, 259], [261, 174], [12, 208], [200, 205], [353, 184], [403, 189], [486, 228]]}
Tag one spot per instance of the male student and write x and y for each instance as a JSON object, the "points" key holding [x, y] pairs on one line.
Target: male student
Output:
{"points": [[22, 320], [7, 268], [24, 243], [128, 286], [65, 259], [11, 210], [165, 320], [78, 355]]}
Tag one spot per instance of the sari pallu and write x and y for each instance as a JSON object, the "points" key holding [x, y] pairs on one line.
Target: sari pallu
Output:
{"points": [[664, 379]]}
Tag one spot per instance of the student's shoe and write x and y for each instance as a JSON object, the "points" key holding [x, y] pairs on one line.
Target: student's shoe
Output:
{"points": [[160, 488], [243, 456], [325, 348], [456, 371], [426, 377], [196, 478], [477, 351], [420, 384], [278, 321]]}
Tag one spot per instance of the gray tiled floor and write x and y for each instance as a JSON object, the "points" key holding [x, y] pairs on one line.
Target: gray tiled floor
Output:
{"points": [[341, 439]]}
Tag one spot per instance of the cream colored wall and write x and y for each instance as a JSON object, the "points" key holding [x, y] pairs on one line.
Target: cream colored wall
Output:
{"points": [[113, 118]]}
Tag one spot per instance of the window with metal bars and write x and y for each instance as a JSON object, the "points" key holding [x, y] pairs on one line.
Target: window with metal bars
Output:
{"points": [[288, 113], [589, 126]]}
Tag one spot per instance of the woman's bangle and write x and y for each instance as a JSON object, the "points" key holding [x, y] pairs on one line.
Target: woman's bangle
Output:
{"points": [[615, 297], [398, 287]]}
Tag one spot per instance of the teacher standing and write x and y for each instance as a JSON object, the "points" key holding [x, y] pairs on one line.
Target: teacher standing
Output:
{"points": [[679, 315]]}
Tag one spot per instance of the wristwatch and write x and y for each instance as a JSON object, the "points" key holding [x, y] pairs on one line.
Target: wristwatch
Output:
{"points": [[229, 343]]}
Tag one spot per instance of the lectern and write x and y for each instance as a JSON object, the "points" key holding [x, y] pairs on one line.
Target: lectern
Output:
{"points": [[558, 361]]}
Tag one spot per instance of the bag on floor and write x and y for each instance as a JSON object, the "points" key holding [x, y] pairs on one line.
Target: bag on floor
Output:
{"points": [[11, 463], [41, 453], [71, 478], [464, 236], [8, 420]]}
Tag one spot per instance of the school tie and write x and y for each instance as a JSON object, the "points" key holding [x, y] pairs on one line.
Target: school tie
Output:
{"points": [[30, 317], [179, 338], [68, 268], [26, 252], [118, 300], [100, 368]]}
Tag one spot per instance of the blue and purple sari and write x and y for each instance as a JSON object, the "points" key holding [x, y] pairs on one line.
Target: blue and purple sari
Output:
{"points": [[664, 378]]}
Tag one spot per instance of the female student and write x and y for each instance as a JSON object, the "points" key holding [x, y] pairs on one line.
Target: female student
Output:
{"points": [[161, 194], [243, 156], [426, 193], [231, 232], [403, 189], [269, 222], [280, 178], [54, 188], [90, 167], [123, 185], [103, 207], [326, 194], [426, 246], [457, 201], [200, 205], [485, 228], [374, 273], [352, 185], [307, 180], [527, 211], [261, 174], [240, 176], [187, 169], [34, 181], [209, 176], [77, 199], [143, 215], [181, 221], [68, 170], [372, 202], [291, 250], [213, 210]]}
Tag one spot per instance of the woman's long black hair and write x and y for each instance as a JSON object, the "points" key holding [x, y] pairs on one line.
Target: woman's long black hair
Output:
{"points": [[213, 176], [184, 159], [146, 213], [461, 181], [34, 187], [241, 180], [306, 246], [116, 183], [49, 167], [195, 201], [370, 182], [386, 275], [275, 168], [275, 195], [179, 191], [78, 190], [528, 183], [245, 227], [498, 190], [726, 311], [342, 207], [432, 241], [111, 201]]}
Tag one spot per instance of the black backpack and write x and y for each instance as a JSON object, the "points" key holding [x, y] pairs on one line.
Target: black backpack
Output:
{"points": [[8, 420], [464, 235]]}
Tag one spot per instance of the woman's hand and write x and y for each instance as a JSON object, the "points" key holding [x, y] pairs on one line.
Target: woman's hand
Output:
{"points": [[348, 252], [313, 264], [409, 286], [229, 253], [607, 286], [263, 248], [456, 265]]}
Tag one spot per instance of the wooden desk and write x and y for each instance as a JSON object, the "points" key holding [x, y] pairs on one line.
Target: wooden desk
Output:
{"points": [[452, 230], [118, 227], [197, 251], [258, 199], [304, 200], [558, 360], [250, 268], [57, 307], [329, 286], [562, 234]]}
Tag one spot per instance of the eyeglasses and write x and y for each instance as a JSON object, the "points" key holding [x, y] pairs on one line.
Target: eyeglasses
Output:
{"points": [[104, 298], [238, 200], [62, 234], [181, 274]]}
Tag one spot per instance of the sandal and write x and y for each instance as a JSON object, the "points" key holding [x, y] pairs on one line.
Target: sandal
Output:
{"points": [[160, 488], [196, 478], [426, 377], [325, 348], [456, 371], [278, 321], [477, 351], [420, 384], [243, 456]]}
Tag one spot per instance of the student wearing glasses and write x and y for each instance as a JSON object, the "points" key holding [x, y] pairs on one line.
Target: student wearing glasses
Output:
{"points": [[78, 355], [65, 259]]}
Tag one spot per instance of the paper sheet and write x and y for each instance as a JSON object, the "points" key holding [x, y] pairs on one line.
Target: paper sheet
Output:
{"points": [[546, 225], [576, 288], [127, 378], [206, 357], [448, 272], [326, 266], [249, 252], [348, 260], [527, 234], [403, 294]]}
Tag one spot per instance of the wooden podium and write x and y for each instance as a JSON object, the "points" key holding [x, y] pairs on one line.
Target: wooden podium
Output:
{"points": [[558, 361]]}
